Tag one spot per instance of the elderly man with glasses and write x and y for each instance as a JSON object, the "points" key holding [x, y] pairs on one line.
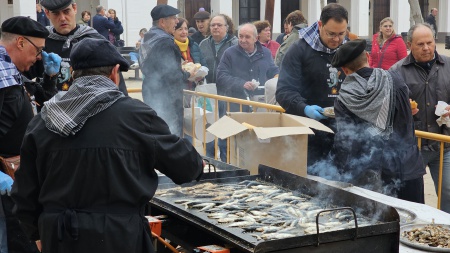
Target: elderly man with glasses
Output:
{"points": [[307, 81], [21, 45], [160, 61]]}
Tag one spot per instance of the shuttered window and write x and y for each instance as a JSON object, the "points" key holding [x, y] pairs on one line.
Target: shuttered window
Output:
{"points": [[249, 11]]}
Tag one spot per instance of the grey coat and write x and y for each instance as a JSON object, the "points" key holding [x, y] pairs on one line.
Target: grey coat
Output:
{"points": [[211, 57], [427, 90]]}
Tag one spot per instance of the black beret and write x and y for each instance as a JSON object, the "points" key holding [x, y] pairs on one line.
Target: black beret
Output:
{"points": [[55, 5], [93, 53], [24, 26], [348, 52], [202, 15], [163, 11]]}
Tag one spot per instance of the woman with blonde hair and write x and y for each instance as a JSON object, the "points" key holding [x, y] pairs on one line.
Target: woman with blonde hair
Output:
{"points": [[387, 47]]}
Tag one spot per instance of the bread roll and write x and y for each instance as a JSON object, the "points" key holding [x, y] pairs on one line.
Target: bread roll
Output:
{"points": [[413, 104]]}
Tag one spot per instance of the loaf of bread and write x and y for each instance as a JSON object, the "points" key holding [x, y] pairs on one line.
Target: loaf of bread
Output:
{"points": [[191, 66]]}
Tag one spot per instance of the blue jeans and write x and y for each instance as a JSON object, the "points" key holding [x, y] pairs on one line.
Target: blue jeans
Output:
{"points": [[431, 158], [134, 56], [3, 241]]}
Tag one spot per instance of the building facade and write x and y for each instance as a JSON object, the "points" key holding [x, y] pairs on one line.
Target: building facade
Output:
{"points": [[364, 15]]}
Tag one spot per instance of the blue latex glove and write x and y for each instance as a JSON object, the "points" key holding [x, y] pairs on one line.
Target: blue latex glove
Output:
{"points": [[52, 63], [314, 112], [5, 183]]}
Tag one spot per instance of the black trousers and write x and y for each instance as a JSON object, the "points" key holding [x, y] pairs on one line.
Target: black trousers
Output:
{"points": [[18, 242]]}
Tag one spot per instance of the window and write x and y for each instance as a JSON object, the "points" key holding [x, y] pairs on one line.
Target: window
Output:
{"points": [[249, 11], [10, 1]]}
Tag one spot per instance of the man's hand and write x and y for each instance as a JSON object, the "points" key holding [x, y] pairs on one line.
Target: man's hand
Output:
{"points": [[5, 184], [52, 63], [249, 86], [314, 112]]}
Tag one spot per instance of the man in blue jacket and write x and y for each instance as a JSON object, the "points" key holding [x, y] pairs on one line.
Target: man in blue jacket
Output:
{"points": [[102, 22], [243, 64]]}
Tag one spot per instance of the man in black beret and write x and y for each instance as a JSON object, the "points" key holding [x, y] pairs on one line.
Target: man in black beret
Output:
{"points": [[21, 44], [202, 21], [89, 160], [375, 144], [160, 62], [64, 33]]}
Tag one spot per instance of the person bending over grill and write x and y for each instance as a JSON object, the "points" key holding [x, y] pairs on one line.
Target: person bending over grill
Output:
{"points": [[88, 161], [375, 144]]}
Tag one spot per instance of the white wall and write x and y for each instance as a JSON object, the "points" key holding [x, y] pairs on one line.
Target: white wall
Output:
{"points": [[314, 10], [359, 17], [401, 21], [25, 8]]}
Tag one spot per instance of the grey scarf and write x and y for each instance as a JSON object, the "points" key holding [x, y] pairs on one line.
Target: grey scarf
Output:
{"points": [[80, 32], [371, 100], [65, 114]]}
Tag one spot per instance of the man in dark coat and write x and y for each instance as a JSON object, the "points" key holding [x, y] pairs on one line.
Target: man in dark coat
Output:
{"points": [[375, 145], [89, 158], [64, 33], [102, 22], [21, 45], [160, 61], [41, 17], [308, 82], [431, 19]]}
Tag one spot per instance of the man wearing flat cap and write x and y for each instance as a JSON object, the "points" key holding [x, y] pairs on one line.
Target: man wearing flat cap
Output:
{"points": [[64, 33], [21, 44], [375, 145], [202, 21], [160, 60], [89, 160]]}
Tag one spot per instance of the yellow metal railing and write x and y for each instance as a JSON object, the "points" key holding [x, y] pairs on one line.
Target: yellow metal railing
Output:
{"points": [[268, 107]]}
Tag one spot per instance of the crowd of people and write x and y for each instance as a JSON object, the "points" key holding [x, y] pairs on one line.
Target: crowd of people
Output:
{"points": [[77, 185]]}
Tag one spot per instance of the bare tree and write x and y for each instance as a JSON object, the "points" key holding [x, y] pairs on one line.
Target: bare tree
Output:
{"points": [[416, 14]]}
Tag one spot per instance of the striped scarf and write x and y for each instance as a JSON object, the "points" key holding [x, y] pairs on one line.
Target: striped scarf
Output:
{"points": [[371, 100], [65, 114]]}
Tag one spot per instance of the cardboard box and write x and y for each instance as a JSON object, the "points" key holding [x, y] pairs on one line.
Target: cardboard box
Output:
{"points": [[278, 140]]}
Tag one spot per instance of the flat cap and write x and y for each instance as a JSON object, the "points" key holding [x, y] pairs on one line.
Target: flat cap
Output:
{"points": [[348, 52], [93, 53], [24, 26], [55, 5], [202, 15], [163, 11]]}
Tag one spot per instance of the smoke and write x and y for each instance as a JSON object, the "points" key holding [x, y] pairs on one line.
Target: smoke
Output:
{"points": [[359, 158]]}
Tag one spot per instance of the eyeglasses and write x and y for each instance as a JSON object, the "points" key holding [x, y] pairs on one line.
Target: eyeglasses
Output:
{"points": [[38, 50], [218, 25], [335, 35]]}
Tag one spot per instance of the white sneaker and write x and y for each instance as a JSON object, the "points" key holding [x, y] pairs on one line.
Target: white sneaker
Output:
{"points": [[134, 65]]}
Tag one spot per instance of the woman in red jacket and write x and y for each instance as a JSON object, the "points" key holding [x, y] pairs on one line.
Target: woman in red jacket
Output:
{"points": [[387, 47]]}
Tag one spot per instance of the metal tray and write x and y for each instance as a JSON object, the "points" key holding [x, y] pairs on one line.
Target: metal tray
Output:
{"points": [[406, 216], [424, 247]]}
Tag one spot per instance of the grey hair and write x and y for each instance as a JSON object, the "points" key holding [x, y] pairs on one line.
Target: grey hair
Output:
{"points": [[255, 31], [155, 22], [99, 9], [8, 37], [414, 27]]}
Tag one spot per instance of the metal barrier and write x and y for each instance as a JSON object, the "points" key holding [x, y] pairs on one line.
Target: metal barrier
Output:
{"points": [[275, 108]]}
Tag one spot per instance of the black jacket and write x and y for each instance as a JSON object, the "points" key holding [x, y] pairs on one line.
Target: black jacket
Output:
{"points": [[307, 78], [86, 193], [357, 151]]}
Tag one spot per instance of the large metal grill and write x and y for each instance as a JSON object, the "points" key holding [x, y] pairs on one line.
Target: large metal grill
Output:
{"points": [[191, 228]]}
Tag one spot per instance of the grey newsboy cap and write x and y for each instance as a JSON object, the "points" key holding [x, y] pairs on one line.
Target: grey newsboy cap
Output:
{"points": [[163, 11], [93, 53], [348, 52], [24, 26], [55, 5]]}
